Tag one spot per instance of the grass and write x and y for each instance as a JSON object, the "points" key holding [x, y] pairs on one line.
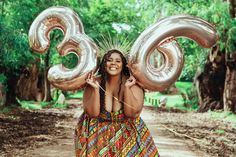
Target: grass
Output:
{"points": [[4, 109], [33, 104], [152, 99], [227, 116], [175, 101], [183, 86], [78, 94]]}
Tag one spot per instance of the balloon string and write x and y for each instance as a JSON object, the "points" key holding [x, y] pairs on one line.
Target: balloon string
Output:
{"points": [[116, 98]]}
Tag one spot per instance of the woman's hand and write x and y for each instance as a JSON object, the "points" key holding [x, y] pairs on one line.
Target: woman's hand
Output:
{"points": [[92, 81], [130, 81]]}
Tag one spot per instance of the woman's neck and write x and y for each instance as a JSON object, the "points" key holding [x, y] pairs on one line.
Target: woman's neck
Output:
{"points": [[114, 80]]}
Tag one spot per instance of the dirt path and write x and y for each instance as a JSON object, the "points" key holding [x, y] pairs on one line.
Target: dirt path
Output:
{"points": [[64, 147], [168, 145], [49, 133]]}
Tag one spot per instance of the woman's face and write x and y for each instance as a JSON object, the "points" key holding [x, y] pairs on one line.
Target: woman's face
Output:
{"points": [[114, 64]]}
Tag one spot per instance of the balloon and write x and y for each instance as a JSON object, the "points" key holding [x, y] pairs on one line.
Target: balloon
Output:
{"points": [[75, 40], [154, 37]]}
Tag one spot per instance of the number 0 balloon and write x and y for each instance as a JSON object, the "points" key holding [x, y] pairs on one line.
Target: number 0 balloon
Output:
{"points": [[75, 40]]}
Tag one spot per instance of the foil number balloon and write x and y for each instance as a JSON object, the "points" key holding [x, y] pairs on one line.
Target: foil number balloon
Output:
{"points": [[157, 79], [75, 40]]}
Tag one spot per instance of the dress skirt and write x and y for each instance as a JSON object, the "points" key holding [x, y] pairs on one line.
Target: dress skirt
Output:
{"points": [[113, 135]]}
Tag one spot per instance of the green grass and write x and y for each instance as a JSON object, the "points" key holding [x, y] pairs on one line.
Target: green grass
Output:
{"points": [[33, 104], [5, 109], [227, 116], [183, 86], [78, 94], [174, 101], [152, 99], [220, 131]]}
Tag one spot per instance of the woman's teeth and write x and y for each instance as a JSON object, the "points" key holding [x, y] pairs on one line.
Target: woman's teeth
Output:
{"points": [[113, 68]]}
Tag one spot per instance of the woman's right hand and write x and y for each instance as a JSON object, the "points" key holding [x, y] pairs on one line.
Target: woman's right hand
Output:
{"points": [[91, 80]]}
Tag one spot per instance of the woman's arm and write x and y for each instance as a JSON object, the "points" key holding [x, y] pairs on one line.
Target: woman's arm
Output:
{"points": [[133, 97], [91, 97]]}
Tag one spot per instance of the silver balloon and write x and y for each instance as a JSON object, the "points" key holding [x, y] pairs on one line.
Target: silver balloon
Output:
{"points": [[174, 26], [75, 40]]}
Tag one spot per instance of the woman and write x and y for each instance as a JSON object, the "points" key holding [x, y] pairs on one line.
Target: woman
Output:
{"points": [[111, 125]]}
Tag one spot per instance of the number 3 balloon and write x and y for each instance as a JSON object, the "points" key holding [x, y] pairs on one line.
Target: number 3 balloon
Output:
{"points": [[75, 40], [154, 37]]}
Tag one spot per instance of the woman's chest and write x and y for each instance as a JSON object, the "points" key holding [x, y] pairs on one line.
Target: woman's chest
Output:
{"points": [[113, 99]]}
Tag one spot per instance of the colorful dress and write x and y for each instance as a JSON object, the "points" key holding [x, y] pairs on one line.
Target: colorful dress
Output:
{"points": [[113, 134]]}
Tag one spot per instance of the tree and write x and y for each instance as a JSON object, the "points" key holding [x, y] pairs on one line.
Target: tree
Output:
{"points": [[17, 61], [26, 72], [215, 86], [230, 89]]}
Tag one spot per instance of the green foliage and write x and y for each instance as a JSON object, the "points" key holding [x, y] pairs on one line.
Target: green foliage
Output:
{"points": [[29, 104], [5, 109], [15, 54], [70, 60], [3, 79], [231, 41], [190, 98], [58, 105], [183, 86], [106, 16], [33, 104]]}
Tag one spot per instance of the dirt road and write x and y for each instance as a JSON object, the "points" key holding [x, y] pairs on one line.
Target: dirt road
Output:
{"points": [[168, 146], [49, 133]]}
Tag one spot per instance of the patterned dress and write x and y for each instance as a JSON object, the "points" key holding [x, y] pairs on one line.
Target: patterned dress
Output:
{"points": [[113, 134]]}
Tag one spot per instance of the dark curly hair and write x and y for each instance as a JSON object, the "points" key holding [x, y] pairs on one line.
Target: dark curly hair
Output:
{"points": [[104, 76]]}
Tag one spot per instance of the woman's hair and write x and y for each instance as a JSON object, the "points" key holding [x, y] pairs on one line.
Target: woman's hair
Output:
{"points": [[104, 76]]}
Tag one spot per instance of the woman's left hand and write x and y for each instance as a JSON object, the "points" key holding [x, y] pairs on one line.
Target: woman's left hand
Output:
{"points": [[130, 81]]}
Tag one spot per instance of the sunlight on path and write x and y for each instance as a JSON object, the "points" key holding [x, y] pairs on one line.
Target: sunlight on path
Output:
{"points": [[166, 145]]}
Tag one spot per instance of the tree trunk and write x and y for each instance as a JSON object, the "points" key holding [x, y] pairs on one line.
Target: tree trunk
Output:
{"points": [[230, 83], [2, 95], [210, 82], [232, 8], [11, 86], [47, 89], [27, 85]]}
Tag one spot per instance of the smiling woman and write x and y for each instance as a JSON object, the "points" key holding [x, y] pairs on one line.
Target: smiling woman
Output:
{"points": [[111, 124], [114, 64]]}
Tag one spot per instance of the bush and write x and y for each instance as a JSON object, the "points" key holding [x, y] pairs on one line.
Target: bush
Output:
{"points": [[190, 98]]}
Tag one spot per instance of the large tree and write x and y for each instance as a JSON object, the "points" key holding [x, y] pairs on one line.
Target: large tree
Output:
{"points": [[230, 56]]}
